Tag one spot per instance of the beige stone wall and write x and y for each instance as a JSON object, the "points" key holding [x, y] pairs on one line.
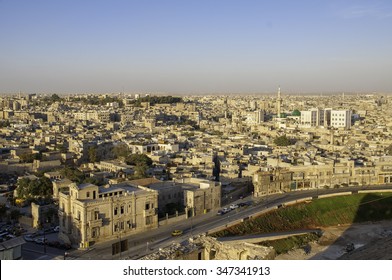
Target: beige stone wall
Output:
{"points": [[86, 221], [323, 176]]}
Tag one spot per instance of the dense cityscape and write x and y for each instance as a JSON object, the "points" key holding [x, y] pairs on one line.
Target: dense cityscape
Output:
{"points": [[100, 169]]}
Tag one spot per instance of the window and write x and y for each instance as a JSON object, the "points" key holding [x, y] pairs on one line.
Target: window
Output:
{"points": [[147, 206], [122, 210], [87, 194], [96, 215], [149, 220], [78, 215], [115, 211], [95, 232], [130, 224]]}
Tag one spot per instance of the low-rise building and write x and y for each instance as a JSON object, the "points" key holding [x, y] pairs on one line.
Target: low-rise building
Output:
{"points": [[274, 181], [200, 196]]}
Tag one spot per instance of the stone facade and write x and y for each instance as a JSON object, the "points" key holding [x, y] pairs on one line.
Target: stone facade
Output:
{"points": [[201, 196], [208, 248], [90, 214], [330, 175]]}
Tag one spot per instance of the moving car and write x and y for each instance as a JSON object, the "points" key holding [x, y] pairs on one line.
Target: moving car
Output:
{"points": [[176, 232]]}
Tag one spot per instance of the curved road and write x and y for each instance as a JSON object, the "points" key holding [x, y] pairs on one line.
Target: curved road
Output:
{"points": [[149, 242]]}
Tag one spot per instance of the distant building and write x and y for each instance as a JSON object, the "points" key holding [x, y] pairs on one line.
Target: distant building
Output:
{"points": [[313, 117], [341, 119], [326, 117], [255, 117]]}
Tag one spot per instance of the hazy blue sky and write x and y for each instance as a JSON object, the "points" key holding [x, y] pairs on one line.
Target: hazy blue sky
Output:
{"points": [[195, 46]]}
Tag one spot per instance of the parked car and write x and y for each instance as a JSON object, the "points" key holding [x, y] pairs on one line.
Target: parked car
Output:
{"points": [[243, 204], [40, 240], [29, 237], [226, 210], [233, 206], [220, 212], [56, 229]]}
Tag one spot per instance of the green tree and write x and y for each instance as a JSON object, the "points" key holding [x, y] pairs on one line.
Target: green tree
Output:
{"points": [[282, 141], [141, 170], [73, 174], [41, 187], [92, 154], [55, 97], [121, 150], [135, 159]]}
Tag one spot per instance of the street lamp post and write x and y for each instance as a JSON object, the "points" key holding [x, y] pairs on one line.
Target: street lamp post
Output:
{"points": [[120, 245]]}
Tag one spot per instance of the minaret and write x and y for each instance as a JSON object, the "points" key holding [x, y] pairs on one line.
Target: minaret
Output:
{"points": [[279, 103]]}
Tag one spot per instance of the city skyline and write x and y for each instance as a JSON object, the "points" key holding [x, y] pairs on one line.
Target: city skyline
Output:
{"points": [[195, 47]]}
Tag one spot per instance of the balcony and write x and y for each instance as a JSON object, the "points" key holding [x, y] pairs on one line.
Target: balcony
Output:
{"points": [[149, 212], [95, 223]]}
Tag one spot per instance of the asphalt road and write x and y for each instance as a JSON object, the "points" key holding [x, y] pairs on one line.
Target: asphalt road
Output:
{"points": [[148, 242], [33, 251]]}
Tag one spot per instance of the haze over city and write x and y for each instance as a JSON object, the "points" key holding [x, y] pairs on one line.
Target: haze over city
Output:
{"points": [[195, 130], [185, 47]]}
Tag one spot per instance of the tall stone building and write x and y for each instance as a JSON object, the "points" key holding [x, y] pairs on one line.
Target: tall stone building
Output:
{"points": [[89, 214]]}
